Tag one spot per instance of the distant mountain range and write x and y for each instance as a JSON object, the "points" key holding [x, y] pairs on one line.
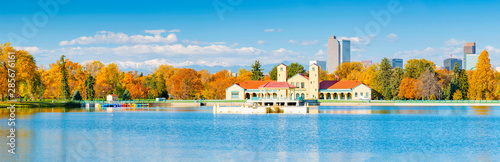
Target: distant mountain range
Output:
{"points": [[211, 69]]}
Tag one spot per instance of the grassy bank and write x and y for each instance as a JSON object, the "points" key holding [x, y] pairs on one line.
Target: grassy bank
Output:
{"points": [[39, 104]]}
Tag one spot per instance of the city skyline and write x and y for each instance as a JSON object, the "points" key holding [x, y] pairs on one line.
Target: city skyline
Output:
{"points": [[177, 34]]}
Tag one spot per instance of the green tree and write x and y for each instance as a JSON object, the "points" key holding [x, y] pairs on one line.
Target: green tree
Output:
{"points": [[76, 96], [89, 87], [415, 67], [64, 78], [463, 83], [295, 68], [384, 78], [257, 71], [454, 84], [273, 74], [126, 95], [397, 76]]}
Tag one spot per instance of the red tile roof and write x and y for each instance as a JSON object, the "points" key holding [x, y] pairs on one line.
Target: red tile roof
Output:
{"points": [[277, 85], [113, 95], [253, 84], [344, 84]]}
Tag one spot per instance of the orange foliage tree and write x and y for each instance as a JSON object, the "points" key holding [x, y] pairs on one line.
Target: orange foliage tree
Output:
{"points": [[186, 84], [408, 88]]}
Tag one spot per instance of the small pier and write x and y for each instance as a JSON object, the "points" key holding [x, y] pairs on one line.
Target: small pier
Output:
{"points": [[265, 107]]}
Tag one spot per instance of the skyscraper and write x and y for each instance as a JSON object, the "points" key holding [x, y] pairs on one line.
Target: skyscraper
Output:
{"points": [[333, 54], [321, 64], [346, 51], [397, 62], [449, 63], [469, 48]]}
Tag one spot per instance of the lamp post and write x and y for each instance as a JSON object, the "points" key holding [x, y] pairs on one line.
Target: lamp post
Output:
{"points": [[103, 96]]}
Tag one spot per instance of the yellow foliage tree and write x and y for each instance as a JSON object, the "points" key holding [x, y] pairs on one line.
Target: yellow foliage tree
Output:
{"points": [[457, 95], [482, 83]]}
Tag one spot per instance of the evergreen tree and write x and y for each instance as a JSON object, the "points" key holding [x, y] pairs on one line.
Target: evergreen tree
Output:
{"points": [[463, 83], [397, 76], [126, 95], [384, 78], [273, 74], [64, 78], [454, 84], [257, 71], [89, 87], [76, 96]]}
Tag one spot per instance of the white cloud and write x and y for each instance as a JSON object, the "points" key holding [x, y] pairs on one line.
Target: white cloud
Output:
{"points": [[261, 42], [154, 63], [196, 42], [31, 50], [359, 40], [490, 49], [454, 42], [392, 37], [268, 30], [121, 38], [304, 42], [174, 31], [155, 32], [320, 53], [273, 30]]}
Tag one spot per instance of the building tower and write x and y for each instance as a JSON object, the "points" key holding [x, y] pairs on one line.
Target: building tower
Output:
{"points": [[282, 73], [333, 54], [313, 90], [346, 51], [469, 48]]}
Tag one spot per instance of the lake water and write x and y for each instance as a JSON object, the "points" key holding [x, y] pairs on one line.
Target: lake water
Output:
{"points": [[195, 134]]}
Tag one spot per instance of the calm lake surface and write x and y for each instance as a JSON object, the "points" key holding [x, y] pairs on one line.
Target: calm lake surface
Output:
{"points": [[195, 134]]}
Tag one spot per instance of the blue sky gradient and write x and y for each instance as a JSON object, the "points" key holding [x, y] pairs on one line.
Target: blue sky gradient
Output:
{"points": [[423, 29]]}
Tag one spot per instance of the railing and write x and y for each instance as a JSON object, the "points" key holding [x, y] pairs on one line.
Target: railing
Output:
{"points": [[164, 101]]}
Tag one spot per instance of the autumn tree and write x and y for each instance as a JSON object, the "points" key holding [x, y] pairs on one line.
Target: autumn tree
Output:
{"points": [[482, 83], [429, 85], [108, 80], [257, 71], [345, 70], [186, 84], [408, 88], [457, 95]]}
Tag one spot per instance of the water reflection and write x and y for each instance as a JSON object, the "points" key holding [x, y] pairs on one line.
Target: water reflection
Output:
{"points": [[187, 134], [441, 110]]}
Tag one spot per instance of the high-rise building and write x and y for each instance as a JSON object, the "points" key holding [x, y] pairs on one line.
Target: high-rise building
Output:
{"points": [[449, 63], [471, 61], [346, 50], [469, 48], [367, 63], [397, 62], [321, 64], [333, 54]]}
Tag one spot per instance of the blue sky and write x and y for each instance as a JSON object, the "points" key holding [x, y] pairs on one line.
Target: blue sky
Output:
{"points": [[143, 34]]}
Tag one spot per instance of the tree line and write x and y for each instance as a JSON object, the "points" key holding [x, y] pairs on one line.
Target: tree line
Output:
{"points": [[420, 79]]}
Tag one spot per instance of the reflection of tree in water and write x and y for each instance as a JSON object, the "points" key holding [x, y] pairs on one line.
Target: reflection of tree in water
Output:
{"points": [[481, 110]]}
